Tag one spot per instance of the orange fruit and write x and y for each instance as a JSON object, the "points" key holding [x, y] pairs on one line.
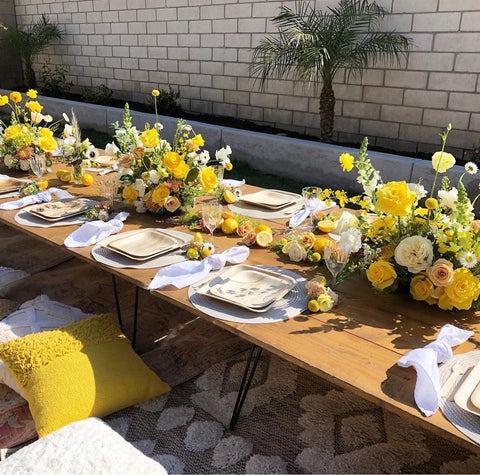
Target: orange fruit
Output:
{"points": [[229, 225]]}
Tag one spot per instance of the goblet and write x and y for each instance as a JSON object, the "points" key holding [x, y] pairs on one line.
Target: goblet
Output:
{"points": [[108, 186], [38, 164], [310, 195], [212, 215], [335, 258]]}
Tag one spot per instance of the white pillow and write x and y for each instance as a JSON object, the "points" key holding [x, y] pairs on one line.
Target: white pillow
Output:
{"points": [[34, 316]]}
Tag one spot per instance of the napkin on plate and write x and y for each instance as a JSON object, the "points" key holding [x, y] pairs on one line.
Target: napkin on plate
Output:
{"points": [[42, 197], [311, 207], [94, 231], [233, 183], [187, 273], [425, 361]]}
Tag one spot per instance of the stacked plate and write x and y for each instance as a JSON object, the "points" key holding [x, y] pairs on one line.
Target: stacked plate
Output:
{"points": [[467, 395], [271, 199], [60, 209], [8, 184], [145, 244], [249, 287]]}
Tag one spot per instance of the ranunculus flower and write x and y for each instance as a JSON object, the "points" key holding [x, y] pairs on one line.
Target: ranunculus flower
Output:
{"points": [[381, 274], [171, 160], [15, 96], [45, 132], [47, 144], [297, 252], [3, 100], [249, 239], [461, 293], [395, 198], [32, 93], [159, 194], [150, 138], [441, 273], [34, 106], [421, 288], [325, 302], [13, 132], [208, 179], [415, 253], [346, 160], [172, 203], [442, 161], [130, 194]]}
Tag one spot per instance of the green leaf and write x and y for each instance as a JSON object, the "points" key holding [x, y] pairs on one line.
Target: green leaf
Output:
{"points": [[192, 175]]}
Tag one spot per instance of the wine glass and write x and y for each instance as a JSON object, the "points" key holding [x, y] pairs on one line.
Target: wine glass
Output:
{"points": [[212, 215], [108, 186], [38, 164], [335, 258], [310, 195]]}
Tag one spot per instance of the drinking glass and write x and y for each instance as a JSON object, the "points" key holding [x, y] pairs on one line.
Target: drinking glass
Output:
{"points": [[38, 164], [335, 258], [109, 186], [310, 195], [212, 215]]}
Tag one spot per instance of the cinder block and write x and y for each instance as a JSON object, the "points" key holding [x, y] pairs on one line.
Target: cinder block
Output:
{"points": [[431, 61], [436, 22], [459, 120], [456, 42], [464, 102], [382, 95], [189, 13], [406, 79], [410, 115], [212, 12], [452, 81], [425, 98], [455, 5], [377, 128], [414, 6], [200, 26], [238, 11], [293, 103], [470, 21], [224, 26], [468, 62]]}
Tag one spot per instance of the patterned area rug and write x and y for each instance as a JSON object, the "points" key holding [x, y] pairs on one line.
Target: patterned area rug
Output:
{"points": [[292, 422]]}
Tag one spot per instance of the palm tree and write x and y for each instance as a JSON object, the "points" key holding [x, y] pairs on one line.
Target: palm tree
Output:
{"points": [[30, 41], [314, 45]]}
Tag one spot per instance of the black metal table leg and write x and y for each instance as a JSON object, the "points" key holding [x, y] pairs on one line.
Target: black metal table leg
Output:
{"points": [[135, 314], [248, 374], [117, 302]]}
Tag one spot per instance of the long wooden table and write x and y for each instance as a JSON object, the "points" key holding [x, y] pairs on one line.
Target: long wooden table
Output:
{"points": [[356, 345]]}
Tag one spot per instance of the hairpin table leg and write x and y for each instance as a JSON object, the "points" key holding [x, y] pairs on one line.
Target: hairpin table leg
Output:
{"points": [[245, 384], [135, 314], [117, 302]]}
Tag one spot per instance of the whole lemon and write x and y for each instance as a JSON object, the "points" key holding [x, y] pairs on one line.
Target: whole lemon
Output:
{"points": [[66, 176], [263, 227], [61, 172], [229, 225], [87, 179], [319, 244]]}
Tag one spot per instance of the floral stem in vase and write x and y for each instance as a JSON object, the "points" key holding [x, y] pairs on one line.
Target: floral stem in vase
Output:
{"points": [[77, 173]]}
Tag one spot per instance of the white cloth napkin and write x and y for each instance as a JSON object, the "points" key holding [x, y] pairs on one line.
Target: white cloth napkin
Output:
{"points": [[94, 231], [187, 273], [233, 183], [42, 197], [425, 361], [311, 207]]}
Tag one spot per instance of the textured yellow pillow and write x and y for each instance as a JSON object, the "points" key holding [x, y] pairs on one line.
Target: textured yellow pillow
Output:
{"points": [[77, 371]]}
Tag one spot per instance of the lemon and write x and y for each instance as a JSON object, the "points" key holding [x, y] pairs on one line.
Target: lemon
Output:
{"points": [[87, 179], [198, 237], [319, 244], [61, 172], [326, 226], [286, 247], [263, 227], [229, 225], [66, 176], [313, 306], [263, 238], [229, 196]]}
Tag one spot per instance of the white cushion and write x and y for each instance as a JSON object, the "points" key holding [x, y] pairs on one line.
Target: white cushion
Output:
{"points": [[34, 316], [85, 447]]}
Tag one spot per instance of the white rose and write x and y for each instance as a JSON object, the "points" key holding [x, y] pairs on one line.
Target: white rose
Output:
{"points": [[111, 149], [415, 253], [139, 186], [297, 252], [153, 176], [24, 165], [350, 240], [9, 161], [346, 221]]}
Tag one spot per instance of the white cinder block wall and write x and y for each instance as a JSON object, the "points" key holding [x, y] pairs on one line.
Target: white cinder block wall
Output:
{"points": [[203, 48]]}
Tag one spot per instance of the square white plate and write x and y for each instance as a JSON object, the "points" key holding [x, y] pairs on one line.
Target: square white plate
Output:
{"points": [[60, 209], [271, 199], [10, 184], [466, 390]]}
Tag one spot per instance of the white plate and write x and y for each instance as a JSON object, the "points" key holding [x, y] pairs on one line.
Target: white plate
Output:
{"points": [[10, 184], [467, 388], [250, 287], [271, 199], [59, 209], [144, 244], [105, 160]]}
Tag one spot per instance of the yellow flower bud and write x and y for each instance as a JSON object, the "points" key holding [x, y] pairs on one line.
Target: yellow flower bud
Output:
{"points": [[431, 203]]}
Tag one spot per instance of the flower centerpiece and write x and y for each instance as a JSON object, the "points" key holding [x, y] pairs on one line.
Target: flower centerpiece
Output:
{"points": [[30, 132], [428, 242], [75, 151], [160, 177]]}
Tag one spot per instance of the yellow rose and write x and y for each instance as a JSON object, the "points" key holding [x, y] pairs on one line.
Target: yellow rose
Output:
{"points": [[159, 194], [13, 132], [346, 160], [208, 179], [421, 288], [34, 106], [441, 273], [15, 96], [47, 144], [150, 138], [442, 161], [181, 171], [460, 294], [32, 93], [382, 227], [171, 160], [45, 132], [3, 100], [381, 274], [395, 198], [130, 194]]}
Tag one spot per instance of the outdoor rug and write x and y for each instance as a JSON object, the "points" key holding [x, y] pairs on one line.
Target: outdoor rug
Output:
{"points": [[292, 422]]}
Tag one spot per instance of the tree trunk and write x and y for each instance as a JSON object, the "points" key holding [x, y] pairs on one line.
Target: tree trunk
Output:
{"points": [[327, 112], [30, 79]]}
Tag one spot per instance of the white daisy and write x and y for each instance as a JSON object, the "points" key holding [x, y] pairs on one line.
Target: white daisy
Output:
{"points": [[209, 246], [468, 259], [103, 215], [471, 168]]}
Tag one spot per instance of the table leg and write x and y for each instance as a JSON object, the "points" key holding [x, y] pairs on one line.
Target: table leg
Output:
{"points": [[117, 302], [245, 384], [135, 315]]}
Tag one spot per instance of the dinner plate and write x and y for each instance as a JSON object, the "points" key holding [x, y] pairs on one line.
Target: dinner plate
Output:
{"points": [[463, 396], [106, 160], [249, 287], [144, 244], [60, 209], [10, 184], [271, 199]]}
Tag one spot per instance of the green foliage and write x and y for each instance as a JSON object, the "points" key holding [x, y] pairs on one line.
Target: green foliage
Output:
{"points": [[53, 80], [98, 95]]}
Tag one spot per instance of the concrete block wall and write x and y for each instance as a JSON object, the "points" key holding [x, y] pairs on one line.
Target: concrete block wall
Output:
{"points": [[203, 49]]}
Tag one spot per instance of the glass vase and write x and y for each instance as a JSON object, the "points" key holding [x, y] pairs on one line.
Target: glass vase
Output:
{"points": [[77, 173]]}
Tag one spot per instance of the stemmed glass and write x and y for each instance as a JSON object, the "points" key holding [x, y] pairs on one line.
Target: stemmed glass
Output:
{"points": [[310, 195], [38, 164], [335, 258], [212, 215], [109, 187]]}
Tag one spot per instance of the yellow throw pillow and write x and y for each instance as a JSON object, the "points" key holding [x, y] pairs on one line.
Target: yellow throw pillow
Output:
{"points": [[81, 370]]}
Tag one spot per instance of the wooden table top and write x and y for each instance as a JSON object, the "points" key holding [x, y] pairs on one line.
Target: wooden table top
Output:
{"points": [[356, 345]]}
